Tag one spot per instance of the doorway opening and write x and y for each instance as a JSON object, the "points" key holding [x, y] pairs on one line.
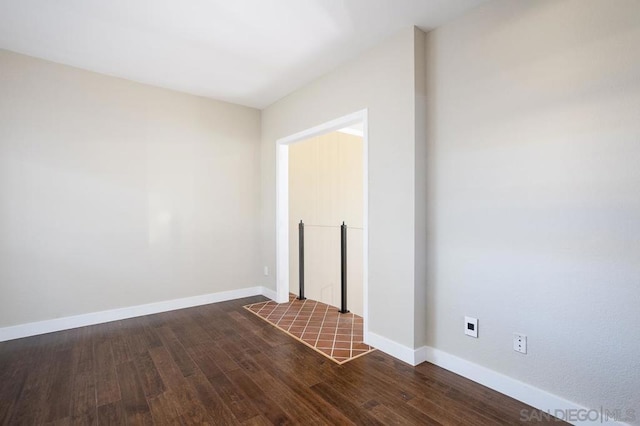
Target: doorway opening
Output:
{"points": [[355, 125]]}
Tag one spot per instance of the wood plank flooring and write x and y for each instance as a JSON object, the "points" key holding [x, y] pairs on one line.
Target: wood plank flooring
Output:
{"points": [[219, 364]]}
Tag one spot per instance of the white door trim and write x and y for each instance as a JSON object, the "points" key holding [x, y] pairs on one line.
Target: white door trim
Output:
{"points": [[282, 203]]}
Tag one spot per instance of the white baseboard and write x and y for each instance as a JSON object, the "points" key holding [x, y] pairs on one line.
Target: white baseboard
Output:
{"points": [[535, 397], [271, 294], [66, 323], [395, 349]]}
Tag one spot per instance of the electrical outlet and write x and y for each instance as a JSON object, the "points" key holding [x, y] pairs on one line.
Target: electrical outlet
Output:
{"points": [[266, 271], [520, 343], [471, 327]]}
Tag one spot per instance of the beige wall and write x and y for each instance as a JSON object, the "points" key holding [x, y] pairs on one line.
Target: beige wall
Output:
{"points": [[325, 189], [534, 193], [382, 81], [115, 194]]}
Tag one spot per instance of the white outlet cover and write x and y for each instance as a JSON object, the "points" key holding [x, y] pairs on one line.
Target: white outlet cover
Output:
{"points": [[520, 343], [471, 326]]}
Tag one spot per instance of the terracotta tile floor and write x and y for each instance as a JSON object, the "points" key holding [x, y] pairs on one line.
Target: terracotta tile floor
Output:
{"points": [[319, 326]]}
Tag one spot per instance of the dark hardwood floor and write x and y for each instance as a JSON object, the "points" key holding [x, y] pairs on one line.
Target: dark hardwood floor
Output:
{"points": [[219, 364]]}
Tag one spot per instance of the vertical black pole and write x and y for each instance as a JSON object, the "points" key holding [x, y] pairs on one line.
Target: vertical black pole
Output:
{"points": [[343, 268], [301, 259]]}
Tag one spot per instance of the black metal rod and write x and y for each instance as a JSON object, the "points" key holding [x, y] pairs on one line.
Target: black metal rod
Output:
{"points": [[343, 267], [301, 259]]}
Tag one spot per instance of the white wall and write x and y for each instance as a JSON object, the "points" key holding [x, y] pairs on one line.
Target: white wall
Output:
{"points": [[115, 194], [325, 189], [534, 194], [381, 80]]}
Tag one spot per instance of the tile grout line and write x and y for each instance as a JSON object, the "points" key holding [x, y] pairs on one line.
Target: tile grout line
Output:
{"points": [[261, 308], [324, 354], [275, 305], [335, 336], [324, 317], [309, 320], [265, 304], [292, 300], [297, 315], [285, 312], [314, 315], [353, 323]]}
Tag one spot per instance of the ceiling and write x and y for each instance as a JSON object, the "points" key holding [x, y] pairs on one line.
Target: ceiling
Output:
{"points": [[250, 52]]}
